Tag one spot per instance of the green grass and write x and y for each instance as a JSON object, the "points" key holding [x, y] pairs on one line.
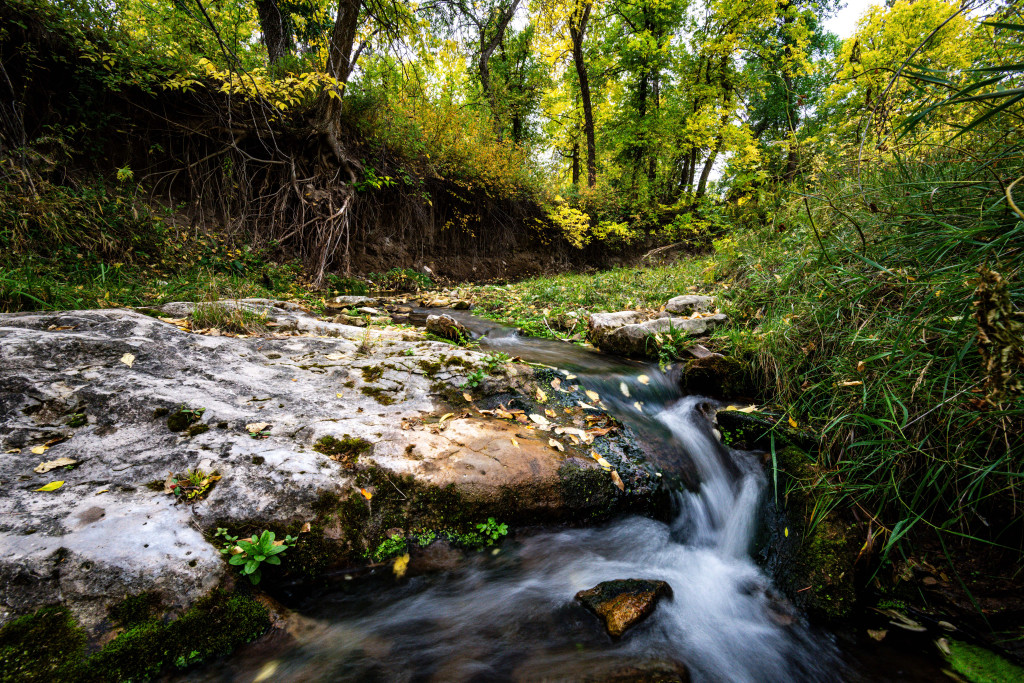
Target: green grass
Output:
{"points": [[872, 344]]}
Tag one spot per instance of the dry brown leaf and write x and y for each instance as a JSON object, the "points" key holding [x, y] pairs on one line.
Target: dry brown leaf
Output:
{"points": [[45, 467], [305, 528], [555, 444], [254, 427], [861, 366], [550, 413], [541, 396], [617, 480], [556, 384], [466, 395]]}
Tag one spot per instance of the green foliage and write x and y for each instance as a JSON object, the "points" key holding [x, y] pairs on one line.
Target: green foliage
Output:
{"points": [[193, 485], [37, 647], [492, 531], [251, 553], [390, 547], [228, 317], [401, 280]]}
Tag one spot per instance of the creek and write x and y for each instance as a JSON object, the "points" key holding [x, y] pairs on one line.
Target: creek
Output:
{"points": [[509, 614]]}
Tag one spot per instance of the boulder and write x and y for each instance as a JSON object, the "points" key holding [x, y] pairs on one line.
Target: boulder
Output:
{"points": [[601, 324], [447, 327], [689, 304], [461, 305], [623, 603], [330, 435], [352, 301], [719, 377], [639, 339]]}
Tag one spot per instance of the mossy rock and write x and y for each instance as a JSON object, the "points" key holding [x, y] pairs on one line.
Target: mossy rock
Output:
{"points": [[978, 665], [49, 646], [817, 570], [759, 431], [718, 377]]}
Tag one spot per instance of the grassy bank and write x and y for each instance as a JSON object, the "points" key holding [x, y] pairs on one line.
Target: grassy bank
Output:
{"points": [[863, 324]]}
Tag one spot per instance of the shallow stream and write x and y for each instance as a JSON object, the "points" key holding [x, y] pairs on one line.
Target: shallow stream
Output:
{"points": [[510, 614]]}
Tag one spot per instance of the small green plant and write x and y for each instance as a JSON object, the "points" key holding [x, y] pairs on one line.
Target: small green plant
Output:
{"points": [[492, 531], [228, 318], [193, 485], [474, 379], [426, 537], [251, 553], [390, 547], [494, 362]]}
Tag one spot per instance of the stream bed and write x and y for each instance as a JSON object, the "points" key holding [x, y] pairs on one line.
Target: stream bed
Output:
{"points": [[509, 613]]}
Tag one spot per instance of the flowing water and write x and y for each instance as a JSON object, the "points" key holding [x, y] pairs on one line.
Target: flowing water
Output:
{"points": [[510, 615]]}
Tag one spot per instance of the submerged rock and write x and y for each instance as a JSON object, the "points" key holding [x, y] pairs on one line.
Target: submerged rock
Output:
{"points": [[448, 327], [624, 602], [100, 387]]}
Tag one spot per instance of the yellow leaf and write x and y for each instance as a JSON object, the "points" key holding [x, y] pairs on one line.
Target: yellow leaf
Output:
{"points": [[861, 366], [256, 427], [541, 396], [39, 450], [539, 419], [466, 395], [624, 389], [617, 480], [785, 531], [638, 405], [593, 395], [338, 395], [643, 379], [550, 413], [793, 423], [45, 467], [514, 443], [128, 359], [849, 384], [747, 409], [400, 565], [52, 486], [444, 417]]}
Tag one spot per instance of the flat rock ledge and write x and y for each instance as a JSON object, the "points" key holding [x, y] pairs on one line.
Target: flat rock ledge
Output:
{"points": [[341, 436], [623, 603]]}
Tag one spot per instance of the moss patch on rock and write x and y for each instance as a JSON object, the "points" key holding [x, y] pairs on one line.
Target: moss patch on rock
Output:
{"points": [[346, 450], [48, 645], [820, 575], [979, 665], [718, 377]]}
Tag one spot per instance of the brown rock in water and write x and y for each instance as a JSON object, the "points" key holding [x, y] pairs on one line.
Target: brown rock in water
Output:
{"points": [[624, 602], [448, 327]]}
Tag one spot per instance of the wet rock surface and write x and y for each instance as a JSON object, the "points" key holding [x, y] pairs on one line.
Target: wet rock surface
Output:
{"points": [[99, 387], [631, 334], [689, 304], [624, 602], [447, 327]]}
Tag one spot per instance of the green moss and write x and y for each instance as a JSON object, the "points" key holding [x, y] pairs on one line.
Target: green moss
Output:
{"points": [[156, 485], [346, 449], [77, 420], [978, 665], [40, 646], [197, 429], [390, 547], [382, 397], [372, 373], [183, 418], [586, 490], [215, 625], [135, 609], [430, 367], [49, 646]]}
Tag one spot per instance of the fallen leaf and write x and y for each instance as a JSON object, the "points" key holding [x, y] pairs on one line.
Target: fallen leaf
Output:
{"points": [[466, 395], [13, 450], [305, 528], [256, 427], [128, 359], [555, 444], [444, 417], [587, 406], [550, 413], [600, 461], [643, 379], [793, 423], [338, 395], [861, 366], [849, 384], [541, 396], [638, 405], [514, 443], [878, 634], [556, 384], [400, 565], [617, 480], [599, 431], [747, 409], [45, 467], [52, 486], [39, 450], [624, 389], [593, 395], [570, 377], [539, 419], [367, 494]]}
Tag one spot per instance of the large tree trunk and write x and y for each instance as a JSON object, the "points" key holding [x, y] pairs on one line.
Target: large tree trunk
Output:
{"points": [[489, 43], [577, 30], [276, 35]]}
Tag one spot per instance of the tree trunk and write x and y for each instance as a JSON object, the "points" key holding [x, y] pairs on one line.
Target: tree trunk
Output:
{"points": [[576, 164], [488, 44], [276, 35], [577, 30]]}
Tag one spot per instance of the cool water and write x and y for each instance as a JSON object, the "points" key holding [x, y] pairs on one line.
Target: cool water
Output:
{"points": [[510, 615]]}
